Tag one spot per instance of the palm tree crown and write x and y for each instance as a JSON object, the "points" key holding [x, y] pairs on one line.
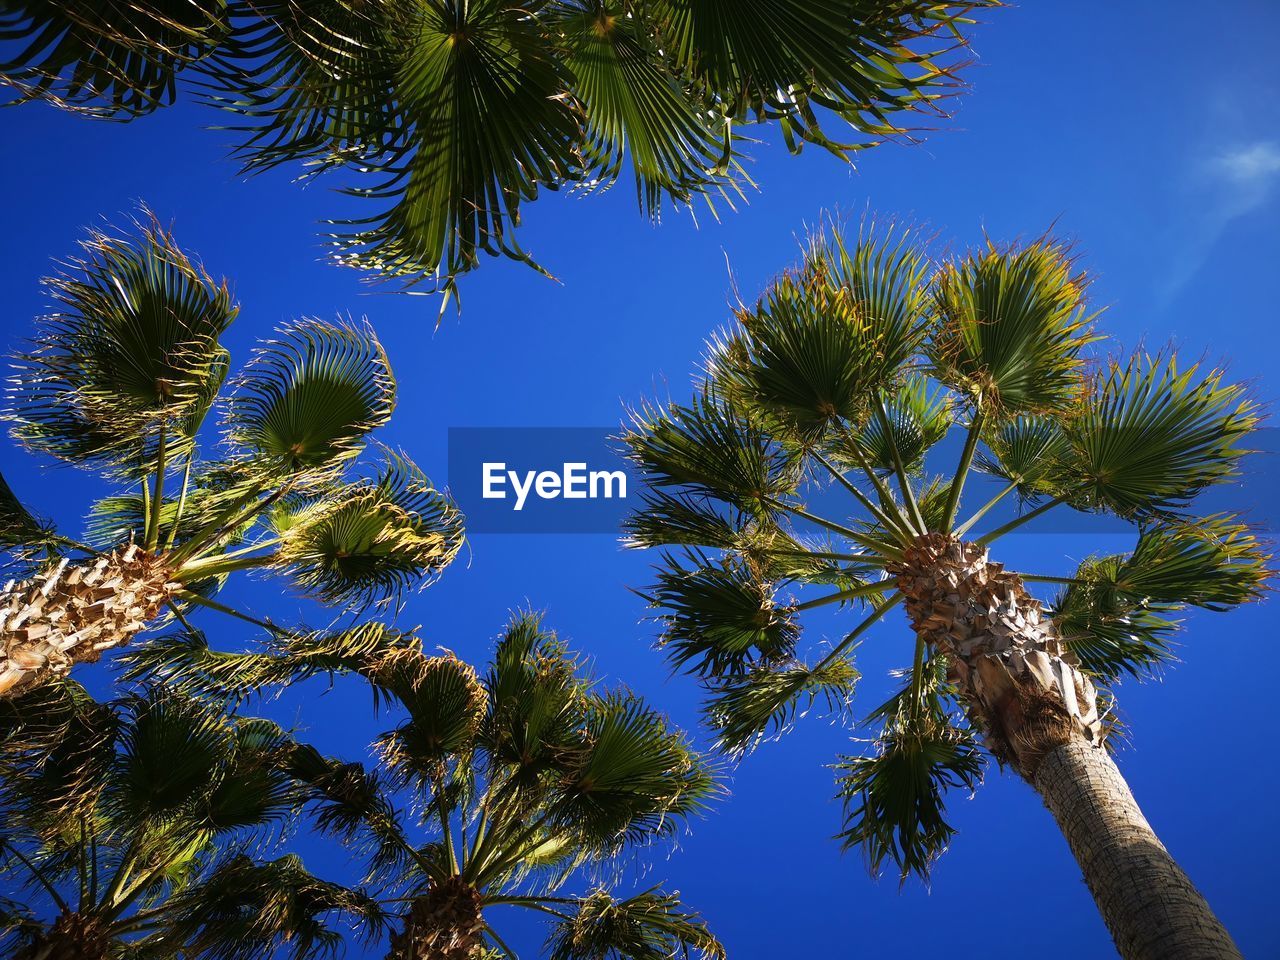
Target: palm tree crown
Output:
{"points": [[843, 376], [133, 825], [121, 380], [455, 112], [527, 779]]}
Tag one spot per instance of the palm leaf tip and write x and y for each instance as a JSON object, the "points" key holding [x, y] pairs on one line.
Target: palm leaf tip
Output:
{"points": [[1151, 435]]}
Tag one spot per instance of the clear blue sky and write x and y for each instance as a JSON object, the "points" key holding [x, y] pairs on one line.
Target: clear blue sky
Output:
{"points": [[1146, 131]]}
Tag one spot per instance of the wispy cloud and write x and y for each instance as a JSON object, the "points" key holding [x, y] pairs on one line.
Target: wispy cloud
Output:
{"points": [[1229, 185], [1256, 165]]}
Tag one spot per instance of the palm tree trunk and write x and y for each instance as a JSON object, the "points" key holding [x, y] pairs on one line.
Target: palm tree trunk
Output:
{"points": [[73, 936], [69, 613], [444, 924], [1038, 713], [1149, 905]]}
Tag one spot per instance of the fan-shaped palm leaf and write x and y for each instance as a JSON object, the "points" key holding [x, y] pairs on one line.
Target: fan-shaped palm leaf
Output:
{"points": [[133, 348]]}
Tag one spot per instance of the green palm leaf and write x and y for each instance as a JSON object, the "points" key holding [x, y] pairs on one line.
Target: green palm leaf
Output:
{"points": [[765, 701], [647, 926], [894, 799], [1151, 436], [446, 705], [1011, 327], [719, 619], [707, 447], [636, 107], [103, 58], [483, 126], [133, 347], [308, 398], [373, 539], [823, 338], [636, 780]]}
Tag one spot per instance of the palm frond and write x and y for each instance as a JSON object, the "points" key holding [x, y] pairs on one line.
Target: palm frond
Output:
{"points": [[105, 59], [915, 421], [825, 337], [308, 398], [894, 798], [446, 704], [719, 618], [373, 539], [1011, 326], [246, 910], [708, 447], [1031, 451], [636, 107], [652, 925], [1150, 436], [637, 779], [133, 346], [764, 702]]}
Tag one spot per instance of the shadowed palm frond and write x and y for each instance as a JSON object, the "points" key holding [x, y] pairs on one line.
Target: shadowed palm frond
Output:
{"points": [[652, 925], [894, 798], [719, 619], [106, 59]]}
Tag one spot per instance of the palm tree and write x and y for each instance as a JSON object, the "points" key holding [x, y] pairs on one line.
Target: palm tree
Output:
{"points": [[120, 380], [455, 112], [841, 378], [128, 827], [522, 780]]}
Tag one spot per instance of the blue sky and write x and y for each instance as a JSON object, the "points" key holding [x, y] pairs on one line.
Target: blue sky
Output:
{"points": [[1147, 132]]}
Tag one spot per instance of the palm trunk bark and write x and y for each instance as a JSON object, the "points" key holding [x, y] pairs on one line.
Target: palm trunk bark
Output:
{"points": [[1038, 713], [70, 613], [444, 924], [1151, 908]]}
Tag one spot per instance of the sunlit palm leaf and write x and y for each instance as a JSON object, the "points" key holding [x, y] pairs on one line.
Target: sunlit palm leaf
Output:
{"points": [[824, 338], [1011, 328], [636, 108], [1029, 451], [709, 448], [485, 125], [767, 700], [787, 60], [246, 910], [133, 346], [637, 780], [1151, 436], [307, 399], [915, 420], [372, 540]]}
